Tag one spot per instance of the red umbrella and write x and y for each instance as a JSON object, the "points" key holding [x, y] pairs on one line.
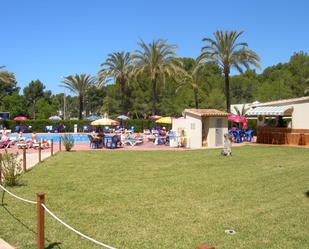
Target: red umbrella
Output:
{"points": [[237, 119], [20, 118]]}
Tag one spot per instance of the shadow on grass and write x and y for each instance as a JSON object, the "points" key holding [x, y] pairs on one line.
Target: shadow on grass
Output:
{"points": [[51, 245], [307, 193]]}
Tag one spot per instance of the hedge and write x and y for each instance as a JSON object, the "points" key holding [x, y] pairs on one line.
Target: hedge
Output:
{"points": [[39, 125]]}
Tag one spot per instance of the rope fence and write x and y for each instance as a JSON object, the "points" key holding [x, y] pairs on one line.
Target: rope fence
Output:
{"points": [[74, 230], [40, 243], [17, 197]]}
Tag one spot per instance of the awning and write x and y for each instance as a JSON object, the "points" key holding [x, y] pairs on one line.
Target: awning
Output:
{"points": [[271, 111]]}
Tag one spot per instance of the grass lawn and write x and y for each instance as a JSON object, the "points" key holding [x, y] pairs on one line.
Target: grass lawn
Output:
{"points": [[167, 200]]}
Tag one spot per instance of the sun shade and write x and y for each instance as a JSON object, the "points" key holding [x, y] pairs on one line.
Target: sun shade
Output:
{"points": [[271, 111]]}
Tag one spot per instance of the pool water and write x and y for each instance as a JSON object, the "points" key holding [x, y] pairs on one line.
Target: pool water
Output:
{"points": [[55, 136]]}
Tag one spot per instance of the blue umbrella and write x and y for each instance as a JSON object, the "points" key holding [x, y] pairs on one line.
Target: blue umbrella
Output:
{"points": [[123, 117], [92, 117], [54, 118]]}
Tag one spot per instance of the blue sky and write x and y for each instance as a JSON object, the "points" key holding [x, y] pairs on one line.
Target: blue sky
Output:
{"points": [[53, 38]]}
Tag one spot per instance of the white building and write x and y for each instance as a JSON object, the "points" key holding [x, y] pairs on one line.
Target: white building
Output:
{"points": [[296, 108], [203, 127]]}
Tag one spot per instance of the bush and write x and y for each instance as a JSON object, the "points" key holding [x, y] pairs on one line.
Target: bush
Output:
{"points": [[10, 168], [39, 125], [68, 142]]}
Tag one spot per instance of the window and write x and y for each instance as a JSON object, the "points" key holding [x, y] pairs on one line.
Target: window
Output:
{"points": [[192, 126]]}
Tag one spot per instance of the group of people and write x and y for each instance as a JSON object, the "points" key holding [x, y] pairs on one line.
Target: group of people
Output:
{"points": [[99, 139], [22, 142]]}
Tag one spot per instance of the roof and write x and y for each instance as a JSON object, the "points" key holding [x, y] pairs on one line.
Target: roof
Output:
{"points": [[284, 110], [284, 101], [207, 112]]}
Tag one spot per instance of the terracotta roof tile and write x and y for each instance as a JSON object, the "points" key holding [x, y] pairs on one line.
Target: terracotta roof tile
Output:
{"points": [[207, 112]]}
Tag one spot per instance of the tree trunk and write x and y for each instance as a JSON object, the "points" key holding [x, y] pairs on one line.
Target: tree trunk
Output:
{"points": [[81, 106], [196, 98], [154, 96], [123, 96], [227, 90]]}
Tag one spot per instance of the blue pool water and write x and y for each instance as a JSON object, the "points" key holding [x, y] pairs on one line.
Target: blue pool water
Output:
{"points": [[77, 137]]}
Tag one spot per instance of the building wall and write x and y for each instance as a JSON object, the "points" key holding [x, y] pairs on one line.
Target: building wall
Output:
{"points": [[212, 130], [192, 124], [194, 129], [300, 116]]}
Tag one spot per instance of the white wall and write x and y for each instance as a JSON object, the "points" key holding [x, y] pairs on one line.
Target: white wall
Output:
{"points": [[194, 128], [300, 116], [192, 124], [211, 139]]}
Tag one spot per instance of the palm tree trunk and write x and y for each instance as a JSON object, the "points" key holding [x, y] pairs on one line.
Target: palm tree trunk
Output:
{"points": [[196, 98], [154, 96], [227, 90], [123, 96], [81, 106]]}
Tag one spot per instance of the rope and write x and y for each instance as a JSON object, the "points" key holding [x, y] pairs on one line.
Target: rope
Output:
{"points": [[17, 197], [59, 220], [75, 231]]}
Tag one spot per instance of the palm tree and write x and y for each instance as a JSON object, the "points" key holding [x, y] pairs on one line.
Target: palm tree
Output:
{"points": [[79, 84], [193, 79], [241, 111], [228, 53], [117, 66], [158, 60], [5, 76]]}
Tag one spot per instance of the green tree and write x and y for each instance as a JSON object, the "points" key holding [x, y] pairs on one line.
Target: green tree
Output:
{"points": [[79, 84], [7, 83], [33, 92], [193, 79], [228, 53], [215, 99], [157, 60], [44, 109], [117, 66], [15, 105]]}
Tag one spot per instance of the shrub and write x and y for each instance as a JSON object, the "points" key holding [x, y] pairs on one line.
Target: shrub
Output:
{"points": [[68, 142], [11, 168]]}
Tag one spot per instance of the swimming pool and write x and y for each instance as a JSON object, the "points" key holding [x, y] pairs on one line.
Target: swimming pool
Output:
{"points": [[78, 138]]}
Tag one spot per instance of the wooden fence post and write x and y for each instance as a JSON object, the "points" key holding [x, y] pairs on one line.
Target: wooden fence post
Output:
{"points": [[24, 160], [0, 168], [40, 198], [52, 147], [40, 149], [59, 143]]}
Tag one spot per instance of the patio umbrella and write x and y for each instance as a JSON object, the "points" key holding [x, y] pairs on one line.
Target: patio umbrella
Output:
{"points": [[105, 121], [54, 118], [92, 117], [165, 120], [154, 117], [20, 118], [123, 117], [237, 119]]}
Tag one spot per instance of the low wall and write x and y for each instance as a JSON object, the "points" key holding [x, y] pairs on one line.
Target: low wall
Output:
{"points": [[269, 135]]}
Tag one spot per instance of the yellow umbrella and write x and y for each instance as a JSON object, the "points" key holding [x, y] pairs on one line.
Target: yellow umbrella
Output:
{"points": [[105, 121], [165, 120]]}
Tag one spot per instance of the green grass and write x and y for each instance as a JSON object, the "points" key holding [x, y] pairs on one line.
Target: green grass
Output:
{"points": [[166, 200]]}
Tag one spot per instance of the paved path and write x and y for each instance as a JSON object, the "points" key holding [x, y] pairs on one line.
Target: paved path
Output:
{"points": [[4, 245], [33, 158]]}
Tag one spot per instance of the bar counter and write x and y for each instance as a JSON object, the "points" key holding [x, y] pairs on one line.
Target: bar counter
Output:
{"points": [[272, 135]]}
